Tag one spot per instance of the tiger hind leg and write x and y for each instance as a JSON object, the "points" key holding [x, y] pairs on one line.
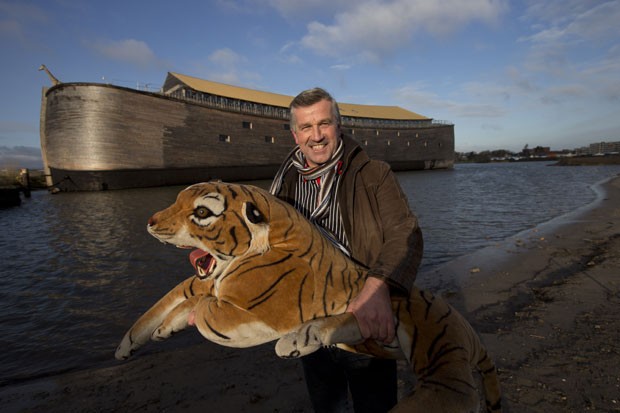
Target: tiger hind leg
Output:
{"points": [[450, 391], [490, 383]]}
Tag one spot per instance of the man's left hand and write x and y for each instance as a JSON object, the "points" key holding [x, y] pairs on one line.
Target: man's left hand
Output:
{"points": [[373, 310]]}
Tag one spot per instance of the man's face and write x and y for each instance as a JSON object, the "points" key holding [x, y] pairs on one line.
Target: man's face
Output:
{"points": [[317, 132]]}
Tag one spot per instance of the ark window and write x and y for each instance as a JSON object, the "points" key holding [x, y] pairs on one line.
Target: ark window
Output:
{"points": [[225, 138], [247, 125], [287, 126], [270, 139]]}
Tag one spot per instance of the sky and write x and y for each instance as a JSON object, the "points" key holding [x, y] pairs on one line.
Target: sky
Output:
{"points": [[506, 73]]}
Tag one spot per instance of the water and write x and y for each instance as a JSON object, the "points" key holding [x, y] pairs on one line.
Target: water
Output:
{"points": [[77, 269]]}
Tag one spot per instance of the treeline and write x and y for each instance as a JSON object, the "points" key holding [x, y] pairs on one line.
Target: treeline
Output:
{"points": [[533, 154], [484, 156], [13, 177]]}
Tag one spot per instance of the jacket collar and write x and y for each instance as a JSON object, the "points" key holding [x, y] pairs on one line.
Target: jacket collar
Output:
{"points": [[354, 156]]}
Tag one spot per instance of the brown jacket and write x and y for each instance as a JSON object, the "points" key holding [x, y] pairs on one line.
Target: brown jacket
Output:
{"points": [[382, 231]]}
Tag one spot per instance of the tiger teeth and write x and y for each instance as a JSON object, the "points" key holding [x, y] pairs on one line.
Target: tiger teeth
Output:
{"points": [[205, 272], [211, 266]]}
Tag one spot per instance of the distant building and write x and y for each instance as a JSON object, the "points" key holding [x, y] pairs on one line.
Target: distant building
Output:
{"points": [[604, 148]]}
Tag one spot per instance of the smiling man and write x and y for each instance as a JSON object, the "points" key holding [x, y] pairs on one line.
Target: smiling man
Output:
{"points": [[359, 205]]}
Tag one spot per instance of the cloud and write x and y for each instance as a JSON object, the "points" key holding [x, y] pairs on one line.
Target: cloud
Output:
{"points": [[571, 30], [415, 96], [340, 67], [131, 51], [288, 56], [20, 157], [372, 30], [226, 66], [11, 29], [491, 127], [307, 9], [226, 58], [9, 126], [564, 93], [571, 56], [292, 59], [15, 19], [574, 20]]}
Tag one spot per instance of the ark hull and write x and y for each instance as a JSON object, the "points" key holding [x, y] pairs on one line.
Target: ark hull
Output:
{"points": [[97, 137], [144, 178]]}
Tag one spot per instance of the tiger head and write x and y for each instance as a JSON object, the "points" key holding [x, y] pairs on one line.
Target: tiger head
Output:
{"points": [[221, 221]]}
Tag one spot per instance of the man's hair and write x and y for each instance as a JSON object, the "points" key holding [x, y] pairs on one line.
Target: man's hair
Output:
{"points": [[310, 97]]}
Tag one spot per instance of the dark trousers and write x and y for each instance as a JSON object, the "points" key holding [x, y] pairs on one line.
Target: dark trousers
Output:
{"points": [[331, 373]]}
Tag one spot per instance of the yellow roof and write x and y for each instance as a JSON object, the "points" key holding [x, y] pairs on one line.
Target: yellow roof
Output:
{"points": [[274, 99]]}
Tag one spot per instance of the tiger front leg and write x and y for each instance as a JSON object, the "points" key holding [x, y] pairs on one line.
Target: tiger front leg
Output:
{"points": [[324, 331], [232, 325], [145, 327], [177, 319]]}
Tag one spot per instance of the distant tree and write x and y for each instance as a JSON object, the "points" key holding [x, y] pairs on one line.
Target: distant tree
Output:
{"points": [[501, 153]]}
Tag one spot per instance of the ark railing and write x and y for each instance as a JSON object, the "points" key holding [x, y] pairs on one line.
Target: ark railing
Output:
{"points": [[258, 109]]}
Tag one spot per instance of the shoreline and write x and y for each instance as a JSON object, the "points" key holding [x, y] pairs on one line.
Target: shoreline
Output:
{"points": [[545, 302]]}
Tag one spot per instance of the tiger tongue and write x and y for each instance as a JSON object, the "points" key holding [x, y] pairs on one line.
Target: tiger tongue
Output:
{"points": [[197, 259]]}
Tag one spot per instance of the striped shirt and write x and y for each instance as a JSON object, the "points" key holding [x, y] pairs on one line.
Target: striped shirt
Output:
{"points": [[306, 200]]}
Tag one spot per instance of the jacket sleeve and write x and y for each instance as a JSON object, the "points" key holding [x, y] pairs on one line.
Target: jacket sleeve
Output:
{"points": [[402, 246]]}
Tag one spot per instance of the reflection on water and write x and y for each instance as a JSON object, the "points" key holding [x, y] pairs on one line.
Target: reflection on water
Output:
{"points": [[78, 268]]}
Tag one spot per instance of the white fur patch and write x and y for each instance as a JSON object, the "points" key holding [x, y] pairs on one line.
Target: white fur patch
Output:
{"points": [[248, 335], [260, 234], [214, 202]]}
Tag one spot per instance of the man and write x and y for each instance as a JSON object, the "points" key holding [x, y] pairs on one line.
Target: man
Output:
{"points": [[359, 205]]}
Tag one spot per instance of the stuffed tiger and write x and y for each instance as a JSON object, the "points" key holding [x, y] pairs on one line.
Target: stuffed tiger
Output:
{"points": [[263, 272]]}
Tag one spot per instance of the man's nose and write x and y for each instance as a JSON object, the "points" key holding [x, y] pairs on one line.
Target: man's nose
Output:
{"points": [[315, 133]]}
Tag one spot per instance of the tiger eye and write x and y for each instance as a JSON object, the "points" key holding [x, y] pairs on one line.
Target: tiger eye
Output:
{"points": [[202, 212]]}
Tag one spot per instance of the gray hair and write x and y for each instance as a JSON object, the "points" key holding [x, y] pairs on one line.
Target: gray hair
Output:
{"points": [[310, 97]]}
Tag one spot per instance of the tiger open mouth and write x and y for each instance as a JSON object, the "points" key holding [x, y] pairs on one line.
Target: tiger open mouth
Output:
{"points": [[203, 262]]}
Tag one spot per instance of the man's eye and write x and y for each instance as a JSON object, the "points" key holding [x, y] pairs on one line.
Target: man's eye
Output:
{"points": [[202, 212]]}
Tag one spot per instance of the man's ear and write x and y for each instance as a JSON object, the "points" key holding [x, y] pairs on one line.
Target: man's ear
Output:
{"points": [[294, 136]]}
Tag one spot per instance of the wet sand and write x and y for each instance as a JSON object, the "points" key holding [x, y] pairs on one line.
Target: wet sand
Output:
{"points": [[546, 303]]}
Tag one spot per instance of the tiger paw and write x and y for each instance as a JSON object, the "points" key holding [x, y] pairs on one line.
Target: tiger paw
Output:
{"points": [[176, 321], [125, 349], [162, 333], [299, 343]]}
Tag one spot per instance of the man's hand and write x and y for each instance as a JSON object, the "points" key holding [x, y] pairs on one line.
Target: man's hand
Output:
{"points": [[373, 310]]}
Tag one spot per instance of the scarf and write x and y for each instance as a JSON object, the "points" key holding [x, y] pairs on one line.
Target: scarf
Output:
{"points": [[327, 172]]}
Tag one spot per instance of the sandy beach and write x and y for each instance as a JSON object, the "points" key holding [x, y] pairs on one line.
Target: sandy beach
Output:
{"points": [[546, 302]]}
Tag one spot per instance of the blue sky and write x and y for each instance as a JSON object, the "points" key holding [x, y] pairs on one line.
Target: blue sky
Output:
{"points": [[506, 73]]}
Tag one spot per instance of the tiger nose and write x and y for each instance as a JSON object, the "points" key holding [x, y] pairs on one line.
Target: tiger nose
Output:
{"points": [[152, 221]]}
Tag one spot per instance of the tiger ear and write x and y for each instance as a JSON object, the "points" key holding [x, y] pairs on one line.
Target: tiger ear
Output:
{"points": [[253, 214]]}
